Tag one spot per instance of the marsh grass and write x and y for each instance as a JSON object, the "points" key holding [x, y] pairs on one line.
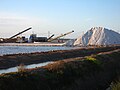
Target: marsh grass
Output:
{"points": [[89, 73], [115, 86]]}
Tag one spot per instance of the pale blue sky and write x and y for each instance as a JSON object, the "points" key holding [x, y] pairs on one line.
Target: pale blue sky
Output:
{"points": [[57, 16]]}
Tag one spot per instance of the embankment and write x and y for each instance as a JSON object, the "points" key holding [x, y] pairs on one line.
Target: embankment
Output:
{"points": [[13, 60], [94, 72]]}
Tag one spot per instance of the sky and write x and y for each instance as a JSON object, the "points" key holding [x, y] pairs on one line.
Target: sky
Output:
{"points": [[57, 16]]}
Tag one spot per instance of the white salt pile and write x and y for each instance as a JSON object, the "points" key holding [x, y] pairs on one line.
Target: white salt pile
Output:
{"points": [[98, 36]]}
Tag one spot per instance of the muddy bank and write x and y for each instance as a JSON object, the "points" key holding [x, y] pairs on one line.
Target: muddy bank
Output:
{"points": [[8, 61]]}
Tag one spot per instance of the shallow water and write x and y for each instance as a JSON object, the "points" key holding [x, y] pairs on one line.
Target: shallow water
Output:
{"points": [[29, 49], [15, 69]]}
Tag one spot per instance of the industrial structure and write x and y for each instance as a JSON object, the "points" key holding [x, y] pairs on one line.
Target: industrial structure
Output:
{"points": [[20, 33], [33, 38], [51, 39], [13, 38]]}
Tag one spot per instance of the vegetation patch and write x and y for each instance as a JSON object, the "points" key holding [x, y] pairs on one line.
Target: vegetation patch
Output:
{"points": [[92, 59], [115, 86], [88, 73]]}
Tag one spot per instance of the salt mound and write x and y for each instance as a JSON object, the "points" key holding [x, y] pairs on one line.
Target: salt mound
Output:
{"points": [[69, 42], [98, 36]]}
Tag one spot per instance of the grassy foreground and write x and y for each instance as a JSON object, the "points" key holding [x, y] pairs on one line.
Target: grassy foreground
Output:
{"points": [[95, 72]]}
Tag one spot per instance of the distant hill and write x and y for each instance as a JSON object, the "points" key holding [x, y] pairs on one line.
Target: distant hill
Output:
{"points": [[98, 36]]}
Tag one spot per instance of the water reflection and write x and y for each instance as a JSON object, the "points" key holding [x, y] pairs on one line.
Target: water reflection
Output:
{"points": [[15, 69], [29, 49]]}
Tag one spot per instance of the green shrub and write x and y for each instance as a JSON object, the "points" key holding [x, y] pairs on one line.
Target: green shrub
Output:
{"points": [[94, 60]]}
